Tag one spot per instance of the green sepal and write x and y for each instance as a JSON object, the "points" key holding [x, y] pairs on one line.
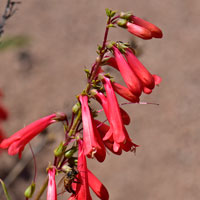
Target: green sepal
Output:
{"points": [[122, 47], [30, 190], [110, 44], [122, 23], [5, 190], [125, 15], [87, 71]]}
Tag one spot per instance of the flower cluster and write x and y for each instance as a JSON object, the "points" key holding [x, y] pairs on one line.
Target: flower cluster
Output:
{"points": [[3, 116], [85, 133]]}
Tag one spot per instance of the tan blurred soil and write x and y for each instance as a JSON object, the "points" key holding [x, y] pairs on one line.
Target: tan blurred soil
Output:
{"points": [[45, 75]]}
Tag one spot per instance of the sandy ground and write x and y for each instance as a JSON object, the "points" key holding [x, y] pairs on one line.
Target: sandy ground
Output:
{"points": [[63, 39]]}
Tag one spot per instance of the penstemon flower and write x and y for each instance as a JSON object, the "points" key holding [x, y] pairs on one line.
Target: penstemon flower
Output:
{"points": [[93, 145], [18, 141], [155, 31], [51, 190], [130, 78], [144, 75]]}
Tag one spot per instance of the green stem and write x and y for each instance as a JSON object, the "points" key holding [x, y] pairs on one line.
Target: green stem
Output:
{"points": [[5, 190], [76, 121], [42, 189]]}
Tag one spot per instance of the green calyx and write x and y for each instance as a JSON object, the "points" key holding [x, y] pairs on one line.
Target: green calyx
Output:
{"points": [[122, 23], [125, 15]]}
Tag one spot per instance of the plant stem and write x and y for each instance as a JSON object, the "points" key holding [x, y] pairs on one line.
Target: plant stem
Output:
{"points": [[42, 189], [94, 70]]}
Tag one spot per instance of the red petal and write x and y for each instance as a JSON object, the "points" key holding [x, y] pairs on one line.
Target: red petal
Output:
{"points": [[98, 188]]}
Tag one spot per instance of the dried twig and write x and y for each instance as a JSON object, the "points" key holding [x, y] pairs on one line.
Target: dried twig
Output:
{"points": [[9, 11]]}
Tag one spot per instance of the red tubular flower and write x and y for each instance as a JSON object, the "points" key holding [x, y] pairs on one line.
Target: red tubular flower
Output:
{"points": [[93, 144], [87, 179], [155, 31], [51, 190], [129, 76], [17, 141], [97, 187], [113, 114], [82, 188], [139, 31], [143, 74], [125, 92], [117, 129]]}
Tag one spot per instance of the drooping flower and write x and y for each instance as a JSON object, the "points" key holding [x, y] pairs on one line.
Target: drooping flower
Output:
{"points": [[87, 179], [139, 31], [82, 191], [117, 130], [142, 73], [51, 190], [18, 141], [92, 141], [132, 81], [155, 31], [112, 111]]}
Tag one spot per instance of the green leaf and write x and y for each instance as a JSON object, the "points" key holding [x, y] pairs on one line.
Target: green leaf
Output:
{"points": [[108, 12], [14, 42], [5, 190]]}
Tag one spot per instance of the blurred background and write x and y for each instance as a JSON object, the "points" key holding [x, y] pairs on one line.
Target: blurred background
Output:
{"points": [[50, 42]]}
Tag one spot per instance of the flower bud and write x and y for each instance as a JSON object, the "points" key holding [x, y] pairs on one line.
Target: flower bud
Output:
{"points": [[69, 153], [29, 191], [59, 150], [76, 108]]}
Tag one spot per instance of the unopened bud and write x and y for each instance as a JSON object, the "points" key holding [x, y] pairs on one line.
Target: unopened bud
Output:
{"points": [[76, 107], [69, 153], [93, 92], [29, 191], [66, 168], [59, 150], [100, 76]]}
